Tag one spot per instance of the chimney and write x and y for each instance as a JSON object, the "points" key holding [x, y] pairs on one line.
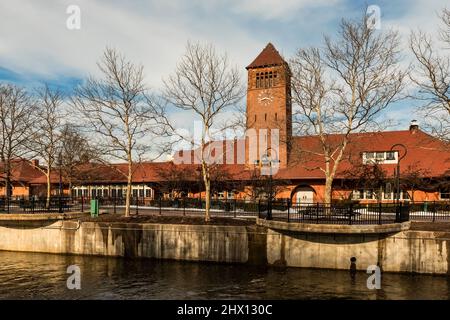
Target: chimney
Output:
{"points": [[35, 162], [414, 126]]}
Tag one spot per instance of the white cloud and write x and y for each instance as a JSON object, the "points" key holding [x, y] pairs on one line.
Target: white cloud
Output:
{"points": [[34, 38], [275, 9]]}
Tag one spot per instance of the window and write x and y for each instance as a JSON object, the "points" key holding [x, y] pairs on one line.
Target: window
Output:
{"points": [[266, 79], [390, 155], [358, 194], [387, 194], [444, 194], [383, 157], [147, 193], [276, 116], [265, 116], [370, 194], [370, 155], [380, 156]]}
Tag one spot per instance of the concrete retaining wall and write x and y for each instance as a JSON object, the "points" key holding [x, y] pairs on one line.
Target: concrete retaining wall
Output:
{"points": [[405, 251], [181, 242]]}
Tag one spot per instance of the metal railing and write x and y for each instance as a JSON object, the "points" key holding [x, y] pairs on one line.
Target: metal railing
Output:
{"points": [[282, 210]]}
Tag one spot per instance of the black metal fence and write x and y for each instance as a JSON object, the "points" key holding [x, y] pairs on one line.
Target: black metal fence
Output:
{"points": [[283, 210]]}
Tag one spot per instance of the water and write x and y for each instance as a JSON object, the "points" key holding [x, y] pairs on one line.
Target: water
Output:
{"points": [[43, 276]]}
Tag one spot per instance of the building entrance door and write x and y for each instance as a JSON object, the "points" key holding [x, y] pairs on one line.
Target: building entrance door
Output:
{"points": [[305, 196]]}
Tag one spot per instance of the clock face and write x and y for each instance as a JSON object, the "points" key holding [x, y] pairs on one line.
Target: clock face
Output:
{"points": [[265, 97]]}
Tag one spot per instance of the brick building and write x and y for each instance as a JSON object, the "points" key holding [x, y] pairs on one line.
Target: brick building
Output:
{"points": [[425, 160]]}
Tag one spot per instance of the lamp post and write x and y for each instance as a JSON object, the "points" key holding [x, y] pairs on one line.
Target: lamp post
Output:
{"points": [[60, 181], [267, 161], [399, 158]]}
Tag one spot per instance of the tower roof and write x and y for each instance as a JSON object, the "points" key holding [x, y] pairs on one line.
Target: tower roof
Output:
{"points": [[268, 57]]}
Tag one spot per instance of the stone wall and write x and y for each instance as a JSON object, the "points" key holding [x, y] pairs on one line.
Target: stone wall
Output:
{"points": [[405, 251]]}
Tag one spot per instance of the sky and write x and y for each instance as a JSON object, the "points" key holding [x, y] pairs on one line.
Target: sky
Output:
{"points": [[36, 46]]}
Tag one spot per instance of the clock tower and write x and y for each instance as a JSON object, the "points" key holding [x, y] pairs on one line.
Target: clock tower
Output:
{"points": [[269, 110]]}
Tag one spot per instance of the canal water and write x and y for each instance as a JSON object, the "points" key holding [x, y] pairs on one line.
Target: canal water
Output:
{"points": [[44, 276]]}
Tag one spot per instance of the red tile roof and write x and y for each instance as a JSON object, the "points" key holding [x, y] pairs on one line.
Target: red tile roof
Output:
{"points": [[21, 171], [423, 152], [268, 57]]}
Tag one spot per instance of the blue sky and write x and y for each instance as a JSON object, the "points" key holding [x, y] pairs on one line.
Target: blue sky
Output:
{"points": [[36, 46]]}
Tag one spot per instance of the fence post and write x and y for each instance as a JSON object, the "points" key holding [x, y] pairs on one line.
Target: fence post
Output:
{"points": [[235, 202], [160, 204], [289, 209], [82, 204], [259, 208], [350, 212], [32, 205], [379, 213], [184, 206], [434, 211], [317, 212], [137, 204]]}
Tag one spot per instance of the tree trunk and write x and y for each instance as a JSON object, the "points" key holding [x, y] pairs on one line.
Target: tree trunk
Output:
{"points": [[328, 189], [7, 185], [207, 182], [49, 189], [128, 195]]}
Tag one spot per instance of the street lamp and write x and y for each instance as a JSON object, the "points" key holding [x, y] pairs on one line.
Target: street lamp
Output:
{"points": [[399, 158], [60, 181], [267, 161]]}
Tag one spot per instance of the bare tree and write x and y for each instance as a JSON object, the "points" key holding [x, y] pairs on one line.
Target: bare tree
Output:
{"points": [[44, 142], [260, 186], [416, 178], [16, 117], [370, 176], [75, 152], [124, 120], [206, 84], [432, 77], [342, 88]]}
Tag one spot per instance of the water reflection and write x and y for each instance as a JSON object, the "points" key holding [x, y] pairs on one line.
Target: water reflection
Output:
{"points": [[43, 276]]}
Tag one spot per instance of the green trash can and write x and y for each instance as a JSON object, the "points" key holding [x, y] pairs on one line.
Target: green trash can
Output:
{"points": [[94, 208]]}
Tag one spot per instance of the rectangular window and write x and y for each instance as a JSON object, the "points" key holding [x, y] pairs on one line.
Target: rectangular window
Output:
{"points": [[370, 195], [370, 155], [380, 156], [388, 191], [141, 193], [390, 155], [444, 195], [147, 193], [358, 194]]}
